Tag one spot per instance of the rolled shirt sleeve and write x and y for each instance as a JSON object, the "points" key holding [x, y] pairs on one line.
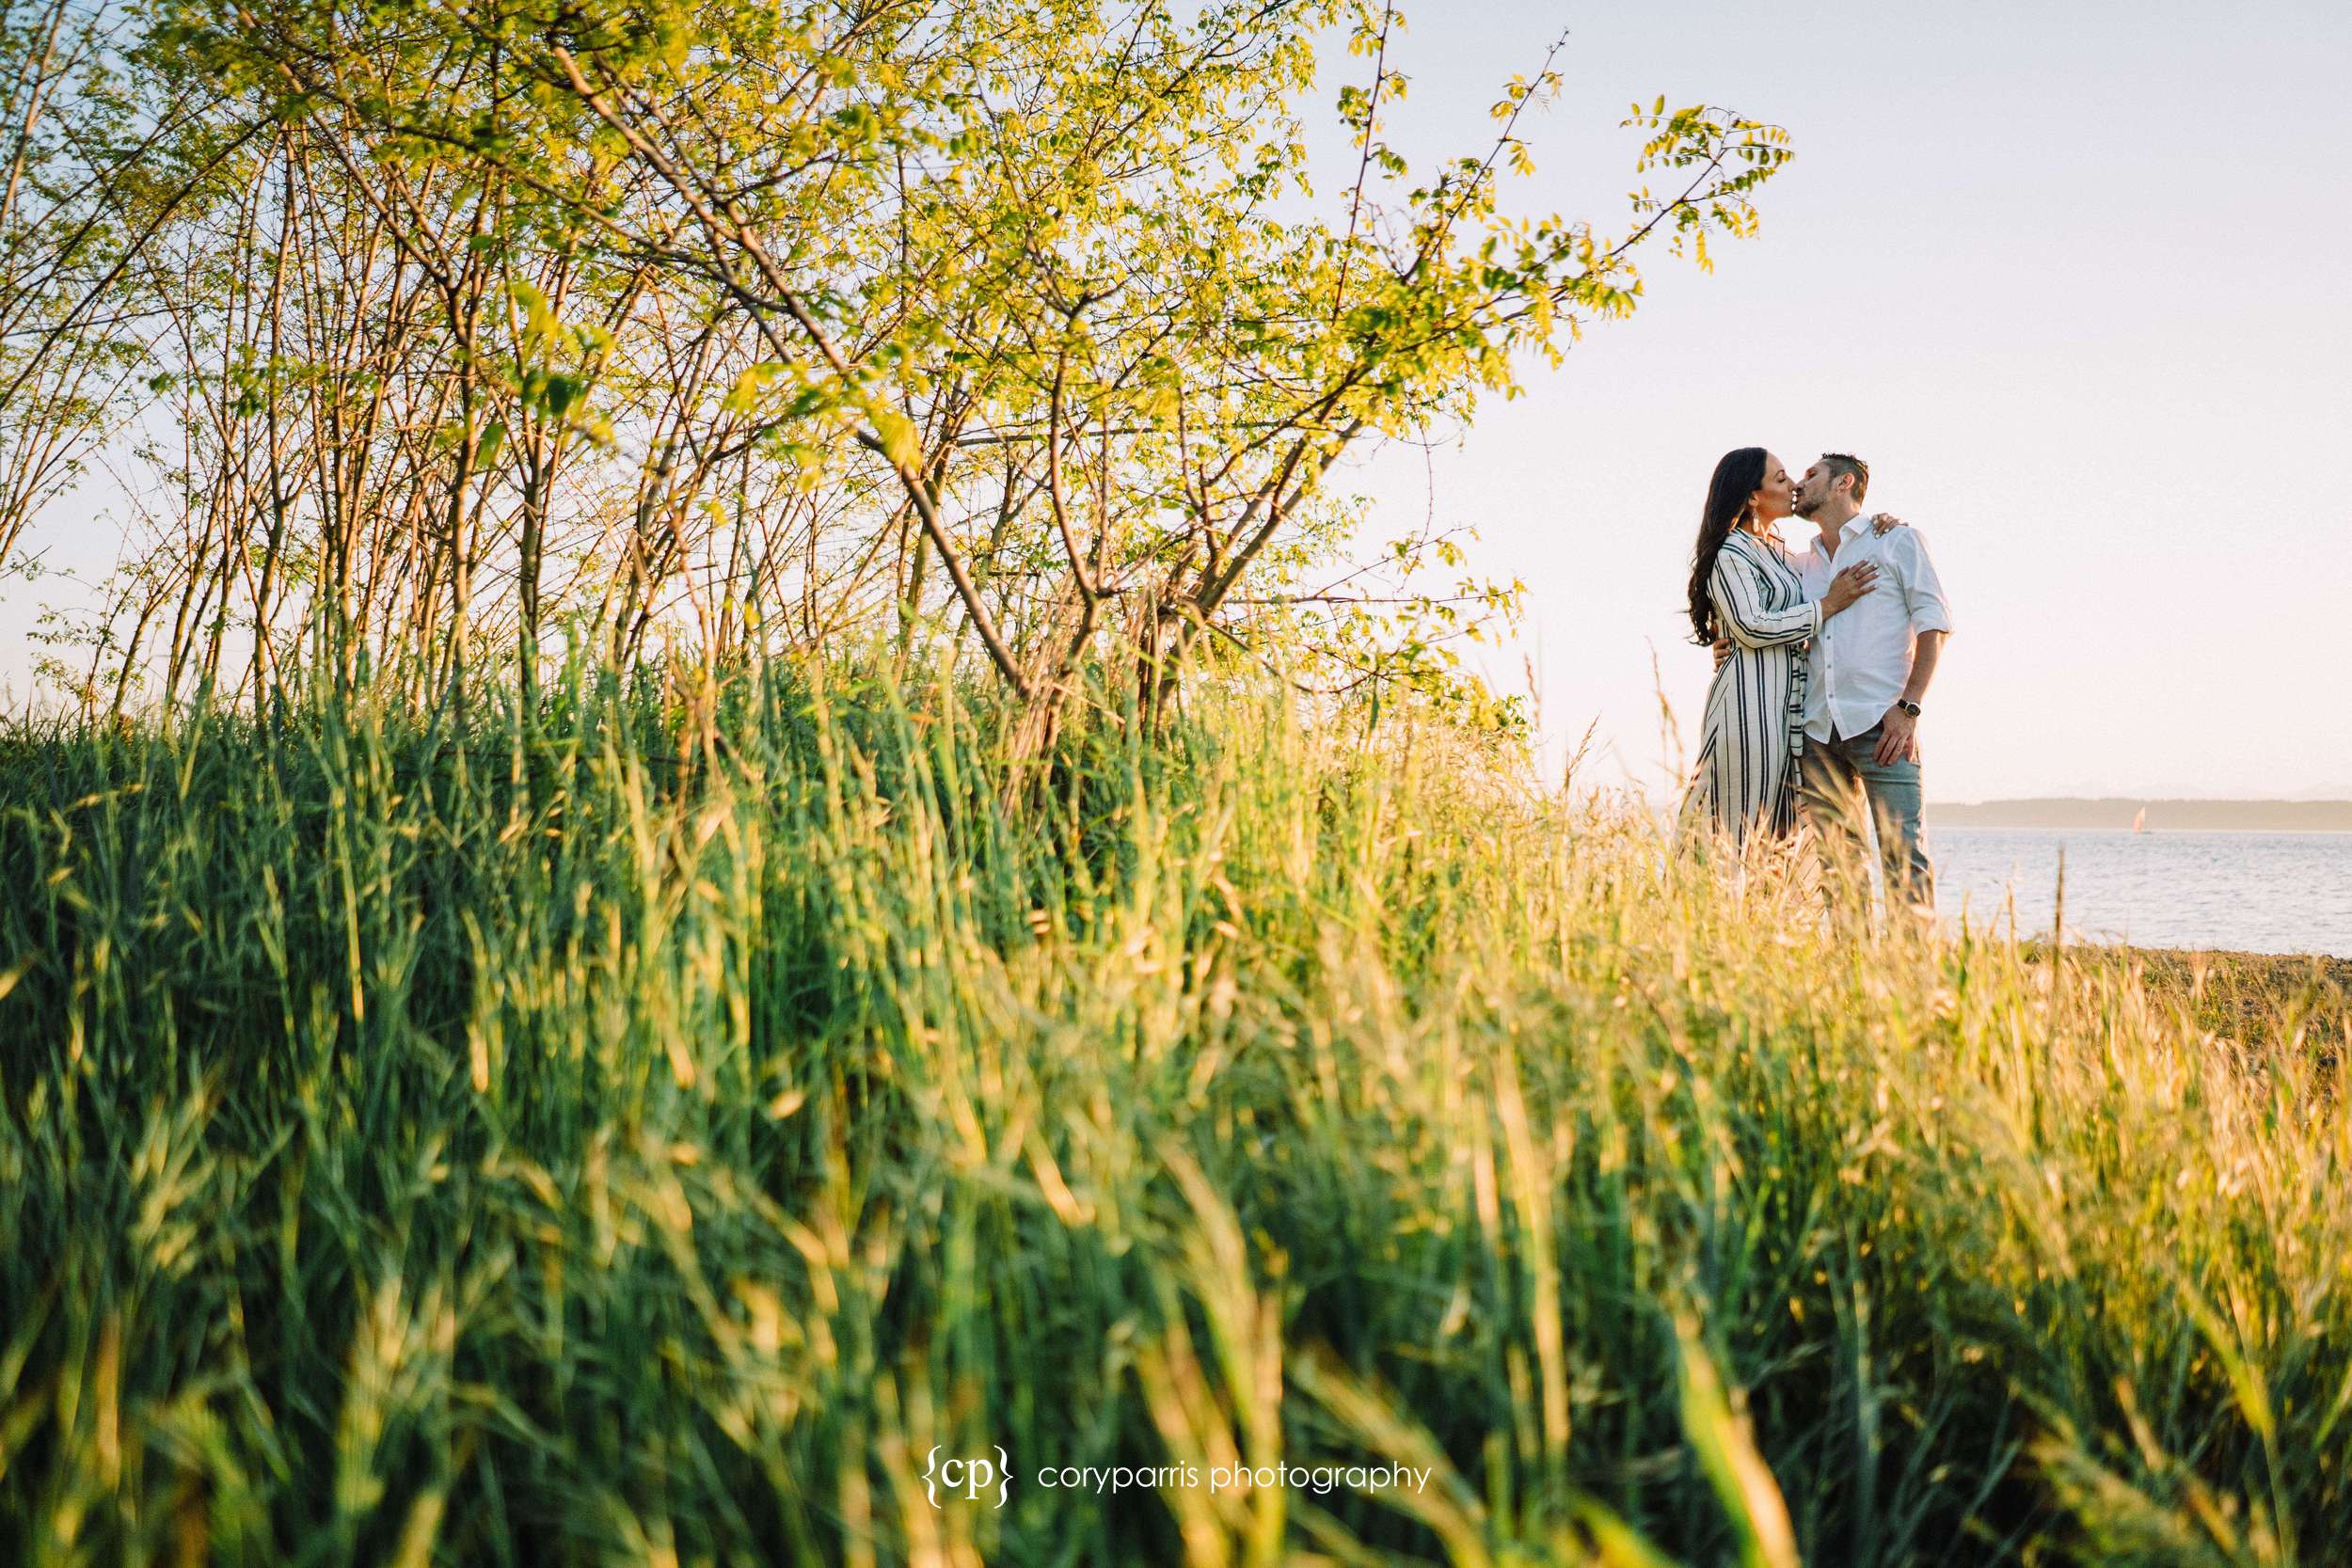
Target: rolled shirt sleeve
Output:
{"points": [[1923, 591]]}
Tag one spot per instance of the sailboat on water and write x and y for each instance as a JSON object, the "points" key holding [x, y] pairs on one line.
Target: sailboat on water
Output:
{"points": [[2140, 822]]}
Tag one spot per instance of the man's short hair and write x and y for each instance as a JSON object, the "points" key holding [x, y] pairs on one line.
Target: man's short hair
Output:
{"points": [[1853, 468]]}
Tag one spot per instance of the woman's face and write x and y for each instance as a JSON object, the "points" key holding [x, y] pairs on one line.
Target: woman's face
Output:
{"points": [[1772, 497]]}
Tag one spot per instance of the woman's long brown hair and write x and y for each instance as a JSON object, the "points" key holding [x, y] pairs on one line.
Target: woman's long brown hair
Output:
{"points": [[1737, 478]]}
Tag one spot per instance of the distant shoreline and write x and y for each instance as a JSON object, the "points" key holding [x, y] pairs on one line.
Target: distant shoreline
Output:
{"points": [[2119, 812]]}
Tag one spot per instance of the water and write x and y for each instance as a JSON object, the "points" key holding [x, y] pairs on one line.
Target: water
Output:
{"points": [[2255, 892]]}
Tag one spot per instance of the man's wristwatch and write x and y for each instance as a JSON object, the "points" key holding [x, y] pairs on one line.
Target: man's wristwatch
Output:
{"points": [[1910, 707]]}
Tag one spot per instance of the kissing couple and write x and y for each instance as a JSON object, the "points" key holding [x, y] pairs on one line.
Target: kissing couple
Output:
{"points": [[1823, 655]]}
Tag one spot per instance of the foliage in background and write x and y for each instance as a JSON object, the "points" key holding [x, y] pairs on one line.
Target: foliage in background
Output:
{"points": [[588, 1131], [101, 154], [743, 328]]}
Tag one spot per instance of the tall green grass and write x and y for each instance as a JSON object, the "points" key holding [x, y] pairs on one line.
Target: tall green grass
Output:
{"points": [[629, 1132]]}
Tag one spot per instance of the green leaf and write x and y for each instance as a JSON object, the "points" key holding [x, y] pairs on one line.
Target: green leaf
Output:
{"points": [[899, 441], [1727, 1452]]}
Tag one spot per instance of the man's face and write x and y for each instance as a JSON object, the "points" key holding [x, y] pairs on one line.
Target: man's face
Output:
{"points": [[1813, 490]]}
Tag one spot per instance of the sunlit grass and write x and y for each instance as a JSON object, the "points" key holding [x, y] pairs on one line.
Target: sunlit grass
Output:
{"points": [[595, 1137]]}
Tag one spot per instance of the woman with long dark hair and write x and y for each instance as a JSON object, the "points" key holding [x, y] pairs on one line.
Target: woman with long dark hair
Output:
{"points": [[1745, 588]]}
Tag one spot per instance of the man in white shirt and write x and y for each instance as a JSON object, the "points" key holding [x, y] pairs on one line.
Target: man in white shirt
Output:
{"points": [[1869, 669]]}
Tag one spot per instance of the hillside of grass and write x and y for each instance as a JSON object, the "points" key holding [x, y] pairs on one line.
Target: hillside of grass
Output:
{"points": [[610, 1131]]}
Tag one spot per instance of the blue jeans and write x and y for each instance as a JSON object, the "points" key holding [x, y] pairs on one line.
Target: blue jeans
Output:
{"points": [[1837, 781]]}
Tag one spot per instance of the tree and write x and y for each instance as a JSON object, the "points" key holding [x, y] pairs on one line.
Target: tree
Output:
{"points": [[774, 322]]}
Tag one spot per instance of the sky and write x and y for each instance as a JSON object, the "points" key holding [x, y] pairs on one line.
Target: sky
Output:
{"points": [[2075, 278]]}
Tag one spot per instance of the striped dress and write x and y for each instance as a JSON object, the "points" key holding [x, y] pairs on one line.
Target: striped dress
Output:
{"points": [[1754, 733]]}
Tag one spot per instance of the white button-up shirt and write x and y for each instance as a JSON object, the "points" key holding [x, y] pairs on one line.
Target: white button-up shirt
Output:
{"points": [[1863, 656]]}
